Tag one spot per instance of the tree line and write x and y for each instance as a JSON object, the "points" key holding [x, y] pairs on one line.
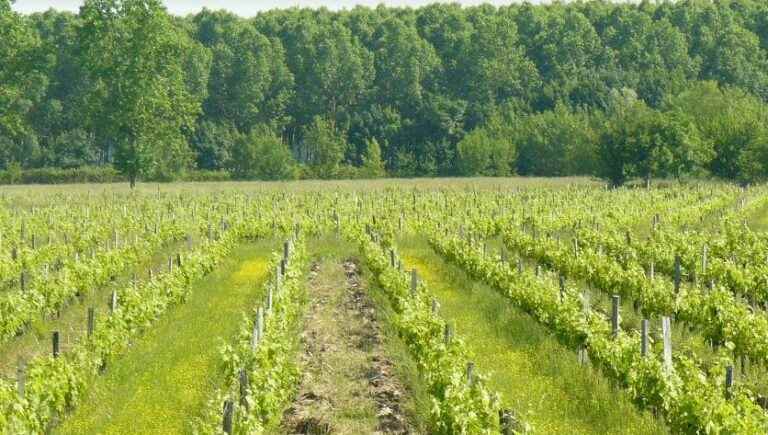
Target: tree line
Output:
{"points": [[615, 90]]}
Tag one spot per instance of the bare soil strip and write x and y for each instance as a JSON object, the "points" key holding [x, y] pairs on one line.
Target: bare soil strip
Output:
{"points": [[348, 385]]}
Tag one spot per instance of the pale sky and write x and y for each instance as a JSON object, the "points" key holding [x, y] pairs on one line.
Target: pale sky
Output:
{"points": [[245, 7]]}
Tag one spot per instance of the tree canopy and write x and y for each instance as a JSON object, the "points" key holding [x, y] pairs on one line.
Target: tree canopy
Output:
{"points": [[615, 90]]}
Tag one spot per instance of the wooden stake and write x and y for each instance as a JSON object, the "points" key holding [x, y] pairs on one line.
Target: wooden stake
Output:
{"points": [[615, 302], [666, 330], [91, 321], [229, 410], [55, 342]]}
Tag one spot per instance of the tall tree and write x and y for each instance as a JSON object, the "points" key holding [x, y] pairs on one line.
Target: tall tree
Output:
{"points": [[21, 85], [495, 67], [142, 101], [324, 147], [250, 83], [262, 155], [641, 142], [729, 120]]}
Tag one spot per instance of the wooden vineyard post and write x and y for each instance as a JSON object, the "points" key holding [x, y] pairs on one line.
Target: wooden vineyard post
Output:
{"points": [[392, 258], [55, 342], [644, 338], [170, 264], [507, 422], [744, 360], [91, 321], [704, 259], [286, 250], [277, 277], [447, 334], [470, 373], [229, 410], [615, 302], [113, 301], [576, 246], [260, 322], [651, 271], [435, 306], [520, 265], [337, 222], [666, 332], [23, 280], [269, 301], [583, 356], [729, 381], [21, 377], [244, 387], [562, 288], [255, 335], [586, 303]]}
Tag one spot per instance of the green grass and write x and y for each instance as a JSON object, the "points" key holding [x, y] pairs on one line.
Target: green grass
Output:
{"points": [[534, 375], [345, 368], [164, 380], [416, 404], [72, 320], [758, 219]]}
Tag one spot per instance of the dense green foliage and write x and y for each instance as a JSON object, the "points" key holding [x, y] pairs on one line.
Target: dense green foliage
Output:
{"points": [[619, 90]]}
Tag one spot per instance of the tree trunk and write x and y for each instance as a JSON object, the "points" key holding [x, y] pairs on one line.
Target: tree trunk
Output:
{"points": [[648, 181], [132, 179]]}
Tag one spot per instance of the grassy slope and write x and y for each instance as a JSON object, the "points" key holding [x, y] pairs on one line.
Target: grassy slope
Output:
{"points": [[164, 380], [534, 374]]}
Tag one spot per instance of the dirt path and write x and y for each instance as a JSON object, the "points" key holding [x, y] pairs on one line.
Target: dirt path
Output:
{"points": [[348, 385]]}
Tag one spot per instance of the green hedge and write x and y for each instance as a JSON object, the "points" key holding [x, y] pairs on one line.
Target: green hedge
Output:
{"points": [[90, 174]]}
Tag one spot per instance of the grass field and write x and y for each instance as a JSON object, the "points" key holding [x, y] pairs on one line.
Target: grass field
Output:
{"points": [[346, 345], [163, 380]]}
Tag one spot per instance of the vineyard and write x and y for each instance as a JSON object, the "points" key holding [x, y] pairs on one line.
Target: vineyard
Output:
{"points": [[476, 306]]}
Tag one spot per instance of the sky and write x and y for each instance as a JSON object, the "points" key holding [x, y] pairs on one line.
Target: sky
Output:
{"points": [[246, 7]]}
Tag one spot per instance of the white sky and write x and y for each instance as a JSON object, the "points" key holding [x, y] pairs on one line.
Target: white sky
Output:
{"points": [[245, 7]]}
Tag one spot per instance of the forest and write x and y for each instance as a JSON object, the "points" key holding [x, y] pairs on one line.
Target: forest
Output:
{"points": [[123, 89]]}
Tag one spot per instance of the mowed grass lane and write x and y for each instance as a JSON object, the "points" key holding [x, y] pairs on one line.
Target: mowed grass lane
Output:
{"points": [[534, 374], [162, 383]]}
